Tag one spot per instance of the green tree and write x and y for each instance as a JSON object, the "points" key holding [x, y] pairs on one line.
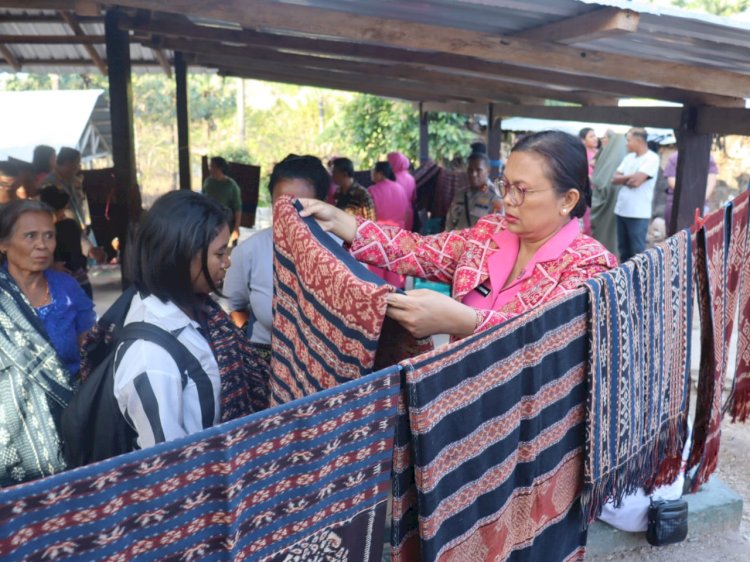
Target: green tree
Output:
{"points": [[373, 126]]}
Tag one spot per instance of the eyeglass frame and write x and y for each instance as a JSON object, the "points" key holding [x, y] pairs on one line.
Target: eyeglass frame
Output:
{"points": [[503, 190]]}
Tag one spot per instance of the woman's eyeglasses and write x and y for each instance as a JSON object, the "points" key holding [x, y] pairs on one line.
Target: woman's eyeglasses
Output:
{"points": [[514, 192]]}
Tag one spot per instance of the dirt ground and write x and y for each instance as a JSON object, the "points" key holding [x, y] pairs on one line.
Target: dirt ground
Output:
{"points": [[734, 470]]}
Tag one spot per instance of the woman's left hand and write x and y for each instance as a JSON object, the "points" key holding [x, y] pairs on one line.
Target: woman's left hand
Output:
{"points": [[424, 313]]}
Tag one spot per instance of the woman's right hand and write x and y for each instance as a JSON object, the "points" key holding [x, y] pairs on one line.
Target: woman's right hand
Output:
{"points": [[330, 218]]}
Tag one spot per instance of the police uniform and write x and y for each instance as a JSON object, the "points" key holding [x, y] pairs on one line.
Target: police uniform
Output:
{"points": [[468, 206]]}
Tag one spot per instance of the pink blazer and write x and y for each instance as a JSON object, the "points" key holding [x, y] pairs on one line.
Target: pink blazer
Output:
{"points": [[463, 258]]}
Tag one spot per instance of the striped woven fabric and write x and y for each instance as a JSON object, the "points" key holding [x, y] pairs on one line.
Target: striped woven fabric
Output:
{"points": [[497, 429], [329, 311], [739, 401], [721, 254], [641, 317], [306, 481]]}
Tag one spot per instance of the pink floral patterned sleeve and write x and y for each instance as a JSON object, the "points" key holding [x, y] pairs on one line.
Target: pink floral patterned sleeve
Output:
{"points": [[432, 257]]}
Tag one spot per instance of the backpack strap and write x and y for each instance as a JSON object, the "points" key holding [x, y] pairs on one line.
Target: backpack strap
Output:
{"points": [[189, 366]]}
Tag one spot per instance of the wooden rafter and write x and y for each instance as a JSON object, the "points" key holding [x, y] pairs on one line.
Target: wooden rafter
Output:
{"points": [[181, 28], [96, 58], [74, 62], [265, 14], [163, 61], [240, 55], [604, 22], [10, 58]]}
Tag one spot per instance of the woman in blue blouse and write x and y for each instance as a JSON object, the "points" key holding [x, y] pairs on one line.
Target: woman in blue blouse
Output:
{"points": [[45, 316]]}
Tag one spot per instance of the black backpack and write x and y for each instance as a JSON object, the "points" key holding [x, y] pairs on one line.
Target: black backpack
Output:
{"points": [[92, 426]]}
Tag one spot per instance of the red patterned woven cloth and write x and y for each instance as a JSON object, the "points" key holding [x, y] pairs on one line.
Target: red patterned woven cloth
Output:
{"points": [[739, 401], [329, 312], [720, 256]]}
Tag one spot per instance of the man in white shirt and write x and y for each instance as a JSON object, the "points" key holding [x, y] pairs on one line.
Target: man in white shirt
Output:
{"points": [[637, 174]]}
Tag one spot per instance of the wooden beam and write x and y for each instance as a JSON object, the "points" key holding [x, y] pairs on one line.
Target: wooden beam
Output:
{"points": [[353, 78], [663, 117], [424, 134], [72, 22], [604, 22], [494, 137], [10, 58], [332, 85], [267, 14], [176, 27], [493, 85], [723, 120], [163, 61], [121, 117], [183, 123], [348, 81], [455, 107], [52, 39], [692, 171], [88, 8]]}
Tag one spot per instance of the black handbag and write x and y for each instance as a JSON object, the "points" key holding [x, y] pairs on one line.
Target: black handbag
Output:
{"points": [[667, 522]]}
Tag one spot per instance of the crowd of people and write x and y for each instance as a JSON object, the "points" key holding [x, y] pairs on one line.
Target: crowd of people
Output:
{"points": [[507, 246]]}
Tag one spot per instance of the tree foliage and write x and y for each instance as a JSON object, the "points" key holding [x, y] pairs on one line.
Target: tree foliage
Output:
{"points": [[373, 126], [715, 7]]}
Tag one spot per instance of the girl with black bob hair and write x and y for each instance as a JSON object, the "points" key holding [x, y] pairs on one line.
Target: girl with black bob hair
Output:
{"points": [[180, 256], [171, 250]]}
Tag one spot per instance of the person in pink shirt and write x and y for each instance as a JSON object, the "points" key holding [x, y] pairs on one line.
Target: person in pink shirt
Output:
{"points": [[400, 166], [392, 209], [503, 266], [391, 204]]}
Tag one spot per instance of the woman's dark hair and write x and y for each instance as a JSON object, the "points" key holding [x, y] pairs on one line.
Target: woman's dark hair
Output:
{"points": [[567, 166], [41, 159], [220, 163], [343, 165], [479, 156], [11, 212], [308, 168], [67, 155], [478, 147], [385, 169], [583, 132], [179, 226], [54, 197]]}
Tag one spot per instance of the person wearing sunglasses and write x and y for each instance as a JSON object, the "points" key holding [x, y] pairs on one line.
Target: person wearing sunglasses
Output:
{"points": [[505, 265]]}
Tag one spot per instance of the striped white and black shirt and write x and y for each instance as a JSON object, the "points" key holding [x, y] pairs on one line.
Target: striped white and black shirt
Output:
{"points": [[148, 386]]}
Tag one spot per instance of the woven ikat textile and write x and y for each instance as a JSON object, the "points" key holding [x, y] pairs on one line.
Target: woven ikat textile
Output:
{"points": [[496, 423], [639, 373], [306, 481], [739, 402], [329, 312], [721, 256]]}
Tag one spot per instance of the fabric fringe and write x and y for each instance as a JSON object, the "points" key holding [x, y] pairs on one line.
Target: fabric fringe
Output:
{"points": [[652, 467], [707, 466], [739, 402]]}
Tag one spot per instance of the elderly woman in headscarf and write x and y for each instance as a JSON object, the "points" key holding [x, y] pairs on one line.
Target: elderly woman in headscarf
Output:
{"points": [[46, 316], [604, 196]]}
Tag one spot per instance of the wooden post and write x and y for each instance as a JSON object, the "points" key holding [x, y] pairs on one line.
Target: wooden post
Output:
{"points": [[424, 135], [183, 139], [121, 118], [692, 171], [494, 136]]}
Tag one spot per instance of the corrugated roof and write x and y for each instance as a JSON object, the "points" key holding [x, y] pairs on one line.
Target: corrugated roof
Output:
{"points": [[62, 53]]}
